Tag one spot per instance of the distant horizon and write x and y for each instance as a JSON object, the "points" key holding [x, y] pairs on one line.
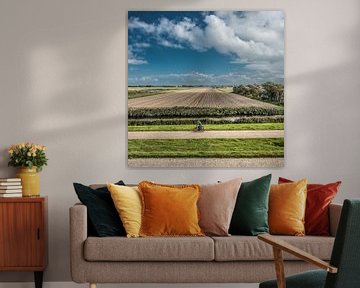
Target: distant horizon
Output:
{"points": [[212, 85], [222, 48]]}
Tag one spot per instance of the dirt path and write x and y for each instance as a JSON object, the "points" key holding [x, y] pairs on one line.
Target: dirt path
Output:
{"points": [[206, 134], [207, 162]]}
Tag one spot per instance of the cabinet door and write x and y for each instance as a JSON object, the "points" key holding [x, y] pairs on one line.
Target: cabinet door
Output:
{"points": [[21, 234]]}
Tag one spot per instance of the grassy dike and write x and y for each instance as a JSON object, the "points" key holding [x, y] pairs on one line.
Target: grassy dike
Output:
{"points": [[207, 148], [209, 127]]}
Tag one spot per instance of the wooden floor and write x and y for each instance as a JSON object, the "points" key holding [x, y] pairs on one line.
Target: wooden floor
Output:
{"points": [[74, 285]]}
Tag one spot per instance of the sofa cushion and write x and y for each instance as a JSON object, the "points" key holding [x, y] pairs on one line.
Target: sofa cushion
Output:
{"points": [[318, 199], [169, 210], [127, 201], [287, 204], [244, 248], [250, 215], [149, 249], [102, 216], [216, 206]]}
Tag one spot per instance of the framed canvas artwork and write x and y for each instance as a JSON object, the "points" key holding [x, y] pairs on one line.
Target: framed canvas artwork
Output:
{"points": [[205, 88]]}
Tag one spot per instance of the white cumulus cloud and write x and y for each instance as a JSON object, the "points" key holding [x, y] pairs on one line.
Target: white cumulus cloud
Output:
{"points": [[252, 39], [135, 23], [134, 59], [246, 36]]}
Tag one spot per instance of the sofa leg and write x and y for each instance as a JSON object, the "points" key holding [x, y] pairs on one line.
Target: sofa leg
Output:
{"points": [[92, 285]]}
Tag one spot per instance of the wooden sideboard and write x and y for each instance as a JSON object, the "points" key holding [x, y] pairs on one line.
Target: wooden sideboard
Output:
{"points": [[23, 235]]}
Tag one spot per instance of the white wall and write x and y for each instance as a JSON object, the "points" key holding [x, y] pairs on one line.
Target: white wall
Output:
{"points": [[63, 78]]}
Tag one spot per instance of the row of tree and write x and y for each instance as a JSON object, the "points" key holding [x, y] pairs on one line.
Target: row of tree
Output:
{"points": [[268, 91]]}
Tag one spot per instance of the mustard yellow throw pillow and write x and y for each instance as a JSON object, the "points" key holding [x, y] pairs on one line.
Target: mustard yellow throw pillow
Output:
{"points": [[287, 204], [169, 210], [127, 201]]}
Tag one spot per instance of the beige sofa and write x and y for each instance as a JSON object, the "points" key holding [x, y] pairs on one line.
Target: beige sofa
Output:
{"points": [[234, 259]]}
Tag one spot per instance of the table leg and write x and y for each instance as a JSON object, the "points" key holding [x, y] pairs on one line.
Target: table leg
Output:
{"points": [[38, 279]]}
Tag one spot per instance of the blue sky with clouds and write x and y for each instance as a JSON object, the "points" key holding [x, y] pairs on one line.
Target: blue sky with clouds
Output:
{"points": [[205, 48]]}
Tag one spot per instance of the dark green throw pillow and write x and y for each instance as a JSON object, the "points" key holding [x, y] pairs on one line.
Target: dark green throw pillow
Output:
{"points": [[250, 216], [103, 218]]}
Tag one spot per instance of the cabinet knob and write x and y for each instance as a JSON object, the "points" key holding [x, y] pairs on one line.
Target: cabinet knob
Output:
{"points": [[38, 234]]}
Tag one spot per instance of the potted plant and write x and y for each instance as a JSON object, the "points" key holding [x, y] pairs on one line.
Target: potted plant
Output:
{"points": [[30, 158]]}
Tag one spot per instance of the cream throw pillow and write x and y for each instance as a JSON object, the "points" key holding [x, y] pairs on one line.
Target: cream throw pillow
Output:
{"points": [[127, 201], [216, 206]]}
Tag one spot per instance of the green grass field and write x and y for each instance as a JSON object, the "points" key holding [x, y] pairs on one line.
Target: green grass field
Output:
{"points": [[209, 127], [207, 148]]}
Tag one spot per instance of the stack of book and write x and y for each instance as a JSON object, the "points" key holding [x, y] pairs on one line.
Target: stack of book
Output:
{"points": [[10, 187]]}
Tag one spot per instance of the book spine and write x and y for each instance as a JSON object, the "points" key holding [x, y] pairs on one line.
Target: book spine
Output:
{"points": [[10, 183], [10, 191], [10, 180]]}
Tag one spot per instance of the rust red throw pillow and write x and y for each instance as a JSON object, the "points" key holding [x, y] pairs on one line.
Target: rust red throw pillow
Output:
{"points": [[319, 197]]}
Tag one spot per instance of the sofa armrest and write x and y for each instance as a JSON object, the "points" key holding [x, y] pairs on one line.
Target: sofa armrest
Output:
{"points": [[78, 235], [334, 216], [284, 246], [279, 246]]}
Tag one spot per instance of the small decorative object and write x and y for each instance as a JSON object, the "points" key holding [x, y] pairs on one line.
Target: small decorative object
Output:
{"points": [[30, 158]]}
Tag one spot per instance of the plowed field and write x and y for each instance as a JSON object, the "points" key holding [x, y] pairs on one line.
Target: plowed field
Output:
{"points": [[196, 97]]}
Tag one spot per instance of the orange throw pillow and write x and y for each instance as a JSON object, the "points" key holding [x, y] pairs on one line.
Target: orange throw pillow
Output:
{"points": [[318, 200], [169, 210], [287, 204]]}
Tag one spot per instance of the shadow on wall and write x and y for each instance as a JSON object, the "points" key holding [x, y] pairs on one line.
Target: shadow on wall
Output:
{"points": [[63, 67], [63, 73], [54, 57], [324, 101]]}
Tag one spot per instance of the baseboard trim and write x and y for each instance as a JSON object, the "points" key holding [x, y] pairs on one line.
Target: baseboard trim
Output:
{"points": [[74, 285]]}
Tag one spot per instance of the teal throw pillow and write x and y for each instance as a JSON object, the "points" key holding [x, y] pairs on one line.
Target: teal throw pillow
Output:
{"points": [[250, 216]]}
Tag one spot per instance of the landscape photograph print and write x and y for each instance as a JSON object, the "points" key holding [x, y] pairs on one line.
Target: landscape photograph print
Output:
{"points": [[205, 88]]}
